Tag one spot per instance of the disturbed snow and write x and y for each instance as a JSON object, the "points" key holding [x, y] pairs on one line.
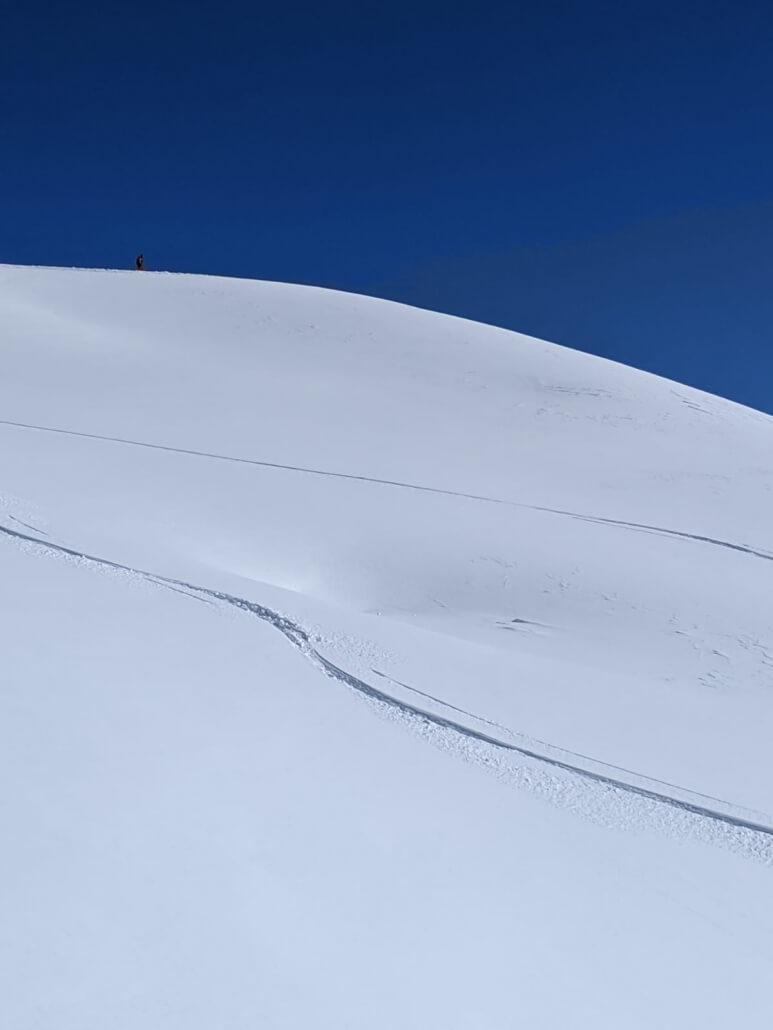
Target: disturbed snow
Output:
{"points": [[364, 666]]}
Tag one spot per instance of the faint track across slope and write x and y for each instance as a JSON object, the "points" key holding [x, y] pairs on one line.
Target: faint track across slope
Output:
{"points": [[259, 463]]}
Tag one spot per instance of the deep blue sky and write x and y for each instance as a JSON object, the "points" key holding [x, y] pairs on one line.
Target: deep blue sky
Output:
{"points": [[600, 174]]}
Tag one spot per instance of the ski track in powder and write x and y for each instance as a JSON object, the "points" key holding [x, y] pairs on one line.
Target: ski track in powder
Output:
{"points": [[551, 772], [622, 523]]}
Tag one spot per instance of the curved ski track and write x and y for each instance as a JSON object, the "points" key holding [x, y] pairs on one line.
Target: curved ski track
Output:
{"points": [[642, 527], [424, 720]]}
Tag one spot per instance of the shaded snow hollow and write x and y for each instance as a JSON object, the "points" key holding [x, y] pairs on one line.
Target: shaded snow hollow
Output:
{"points": [[368, 667]]}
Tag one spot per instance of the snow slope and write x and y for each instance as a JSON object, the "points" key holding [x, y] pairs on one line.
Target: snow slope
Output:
{"points": [[367, 667]]}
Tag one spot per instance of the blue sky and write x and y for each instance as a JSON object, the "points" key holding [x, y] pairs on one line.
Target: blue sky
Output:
{"points": [[594, 173]]}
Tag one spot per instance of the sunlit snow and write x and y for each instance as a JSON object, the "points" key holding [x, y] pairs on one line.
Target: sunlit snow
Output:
{"points": [[364, 667]]}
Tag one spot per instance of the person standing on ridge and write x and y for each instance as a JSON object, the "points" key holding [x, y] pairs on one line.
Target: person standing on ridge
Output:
{"points": [[140, 262]]}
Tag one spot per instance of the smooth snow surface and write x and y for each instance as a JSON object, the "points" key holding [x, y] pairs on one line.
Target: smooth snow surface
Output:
{"points": [[369, 668]]}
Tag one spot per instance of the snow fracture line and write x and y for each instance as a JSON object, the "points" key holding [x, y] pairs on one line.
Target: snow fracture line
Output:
{"points": [[661, 530], [300, 639]]}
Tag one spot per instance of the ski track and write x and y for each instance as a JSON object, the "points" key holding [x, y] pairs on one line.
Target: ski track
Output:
{"points": [[553, 749], [613, 807], [28, 525], [622, 523]]}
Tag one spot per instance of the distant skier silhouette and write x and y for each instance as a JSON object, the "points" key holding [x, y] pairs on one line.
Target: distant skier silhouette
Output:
{"points": [[140, 262]]}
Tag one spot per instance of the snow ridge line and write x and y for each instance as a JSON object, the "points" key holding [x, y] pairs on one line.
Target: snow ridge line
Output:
{"points": [[300, 639], [643, 527]]}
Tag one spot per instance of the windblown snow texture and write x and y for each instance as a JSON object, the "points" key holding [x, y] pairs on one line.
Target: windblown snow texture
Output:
{"points": [[368, 667]]}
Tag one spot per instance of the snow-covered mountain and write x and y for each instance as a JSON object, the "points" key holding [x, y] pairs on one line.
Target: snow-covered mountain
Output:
{"points": [[364, 667]]}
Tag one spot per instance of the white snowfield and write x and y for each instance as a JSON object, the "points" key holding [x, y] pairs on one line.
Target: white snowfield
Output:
{"points": [[363, 667]]}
